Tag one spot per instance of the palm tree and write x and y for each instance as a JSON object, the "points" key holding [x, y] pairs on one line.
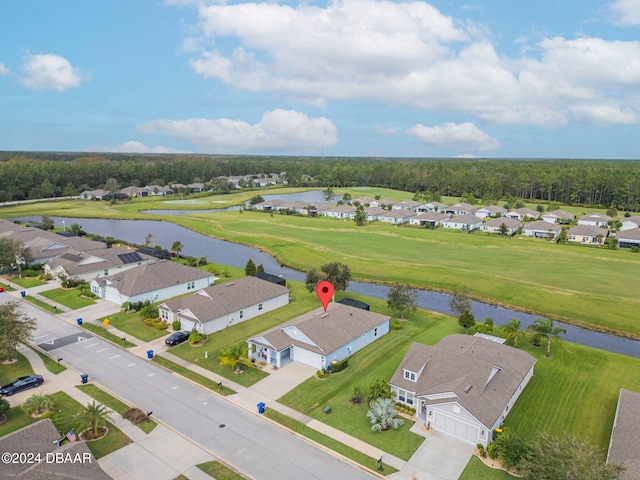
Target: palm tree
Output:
{"points": [[38, 404], [235, 356], [97, 414], [512, 331], [383, 415], [543, 327], [176, 247]]}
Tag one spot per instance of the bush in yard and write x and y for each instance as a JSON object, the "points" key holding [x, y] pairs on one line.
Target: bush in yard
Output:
{"points": [[396, 325], [135, 415], [481, 451], [378, 389], [322, 374], [149, 311], [157, 323], [383, 415], [510, 447], [176, 325], [356, 394], [195, 337], [492, 450], [4, 407]]}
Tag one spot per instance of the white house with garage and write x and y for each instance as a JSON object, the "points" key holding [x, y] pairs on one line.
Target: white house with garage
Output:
{"points": [[220, 306], [154, 281], [318, 338], [630, 223], [595, 220], [463, 386]]}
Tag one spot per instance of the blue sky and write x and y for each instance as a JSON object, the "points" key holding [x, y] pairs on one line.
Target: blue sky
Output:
{"points": [[493, 78]]}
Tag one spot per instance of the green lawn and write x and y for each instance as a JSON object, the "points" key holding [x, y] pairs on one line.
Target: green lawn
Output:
{"points": [[7, 288], [49, 363], [114, 404], [41, 304], [67, 415], [193, 376], [10, 372], [101, 332], [219, 471], [69, 298], [587, 286], [133, 324], [27, 282], [476, 470]]}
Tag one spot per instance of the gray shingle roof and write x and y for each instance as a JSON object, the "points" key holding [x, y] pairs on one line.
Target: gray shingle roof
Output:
{"points": [[509, 222], [220, 300], [588, 231], [631, 234], [340, 325], [543, 226], [624, 447], [461, 360], [81, 262]]}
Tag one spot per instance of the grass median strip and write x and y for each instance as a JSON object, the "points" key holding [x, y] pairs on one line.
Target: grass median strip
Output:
{"points": [[101, 332], [193, 376], [41, 304], [49, 363], [114, 404], [322, 439], [219, 471]]}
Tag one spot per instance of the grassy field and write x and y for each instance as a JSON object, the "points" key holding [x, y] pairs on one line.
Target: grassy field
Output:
{"points": [[69, 298], [476, 470], [586, 286]]}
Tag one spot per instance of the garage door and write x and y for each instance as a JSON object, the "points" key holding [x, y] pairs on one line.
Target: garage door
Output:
{"points": [[308, 358], [456, 428]]}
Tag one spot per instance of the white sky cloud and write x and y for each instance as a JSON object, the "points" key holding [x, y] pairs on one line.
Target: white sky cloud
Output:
{"points": [[277, 131], [50, 72], [131, 147], [625, 12], [462, 136], [409, 53], [4, 70]]}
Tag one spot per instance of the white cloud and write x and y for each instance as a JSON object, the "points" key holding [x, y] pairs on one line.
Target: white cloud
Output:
{"points": [[50, 72], [625, 12], [3, 69], [278, 131], [463, 136], [131, 147], [409, 53]]}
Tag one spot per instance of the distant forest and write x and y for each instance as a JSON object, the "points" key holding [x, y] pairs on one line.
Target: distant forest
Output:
{"points": [[606, 183]]}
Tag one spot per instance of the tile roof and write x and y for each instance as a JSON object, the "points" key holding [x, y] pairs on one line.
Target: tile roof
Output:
{"points": [[494, 372]]}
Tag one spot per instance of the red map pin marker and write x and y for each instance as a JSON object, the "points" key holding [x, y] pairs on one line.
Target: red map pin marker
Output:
{"points": [[324, 290]]}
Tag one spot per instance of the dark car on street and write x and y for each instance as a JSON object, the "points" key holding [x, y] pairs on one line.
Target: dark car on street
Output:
{"points": [[30, 381], [176, 338]]}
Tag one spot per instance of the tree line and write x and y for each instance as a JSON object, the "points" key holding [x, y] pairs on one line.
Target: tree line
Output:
{"points": [[602, 183]]}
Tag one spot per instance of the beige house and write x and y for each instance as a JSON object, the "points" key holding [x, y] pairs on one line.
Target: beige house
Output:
{"points": [[495, 225], [463, 386], [587, 235]]}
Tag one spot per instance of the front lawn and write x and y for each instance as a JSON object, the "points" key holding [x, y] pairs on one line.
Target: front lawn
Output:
{"points": [[50, 364], [104, 333], [477, 470], [27, 282], [69, 298], [41, 304], [133, 324], [12, 371]]}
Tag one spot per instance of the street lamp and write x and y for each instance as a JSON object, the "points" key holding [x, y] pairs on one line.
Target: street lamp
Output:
{"points": [[64, 226]]}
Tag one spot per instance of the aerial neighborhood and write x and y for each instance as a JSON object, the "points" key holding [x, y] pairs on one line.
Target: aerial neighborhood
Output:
{"points": [[462, 386]]}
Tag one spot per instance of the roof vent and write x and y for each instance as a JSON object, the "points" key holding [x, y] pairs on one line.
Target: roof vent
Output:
{"points": [[324, 315], [229, 284], [466, 388]]}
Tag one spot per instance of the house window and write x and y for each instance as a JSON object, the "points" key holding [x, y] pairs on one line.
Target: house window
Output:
{"points": [[259, 306], [405, 396], [375, 332], [164, 314], [241, 314], [410, 375], [106, 272], [191, 285]]}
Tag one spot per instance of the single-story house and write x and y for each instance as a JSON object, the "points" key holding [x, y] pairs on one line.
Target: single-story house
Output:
{"points": [[463, 386], [364, 201], [318, 338], [522, 213], [388, 204], [558, 216], [396, 217], [490, 211], [341, 211], [630, 223], [495, 225], [98, 194], [437, 207], [318, 209], [217, 307], [595, 220], [624, 447], [628, 238], [133, 192], [587, 234], [269, 205], [95, 263], [542, 229], [154, 281], [460, 209], [411, 205], [463, 222], [159, 190], [374, 212], [429, 219], [39, 441]]}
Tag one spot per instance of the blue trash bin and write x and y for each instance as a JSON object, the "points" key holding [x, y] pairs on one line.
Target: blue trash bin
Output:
{"points": [[149, 353], [84, 378], [261, 407], [23, 293], [79, 321]]}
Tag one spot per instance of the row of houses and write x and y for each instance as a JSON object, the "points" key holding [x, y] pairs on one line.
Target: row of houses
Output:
{"points": [[136, 192]]}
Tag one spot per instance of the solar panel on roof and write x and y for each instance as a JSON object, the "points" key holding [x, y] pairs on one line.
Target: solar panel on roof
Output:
{"points": [[127, 258]]}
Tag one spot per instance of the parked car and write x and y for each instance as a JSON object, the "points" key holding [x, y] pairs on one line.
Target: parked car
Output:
{"points": [[30, 381], [176, 338], [1, 289]]}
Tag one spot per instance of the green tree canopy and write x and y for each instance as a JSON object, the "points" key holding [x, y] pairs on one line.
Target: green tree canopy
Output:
{"points": [[544, 328], [13, 253], [459, 301], [97, 415], [382, 415], [466, 321], [337, 273], [15, 328], [402, 298], [360, 218], [177, 247], [250, 268]]}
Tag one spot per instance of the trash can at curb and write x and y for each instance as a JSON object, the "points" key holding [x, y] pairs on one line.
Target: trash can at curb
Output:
{"points": [[84, 378], [261, 407], [23, 293], [79, 321], [149, 353]]}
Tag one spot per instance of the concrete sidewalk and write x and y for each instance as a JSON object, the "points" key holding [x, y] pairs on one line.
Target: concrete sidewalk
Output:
{"points": [[422, 465]]}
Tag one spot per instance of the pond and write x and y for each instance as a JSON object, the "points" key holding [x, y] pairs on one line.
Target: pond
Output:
{"points": [[233, 254]]}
